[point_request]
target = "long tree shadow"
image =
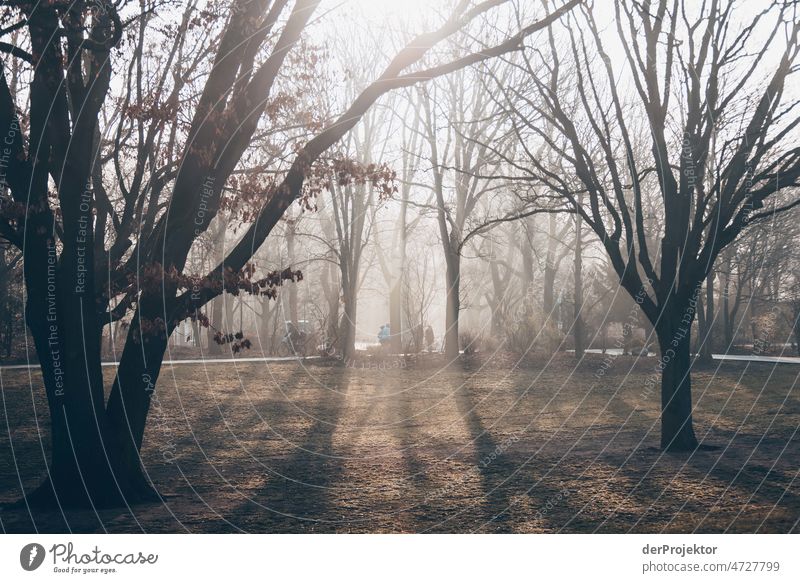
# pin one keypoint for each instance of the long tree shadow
(181, 453)
(770, 488)
(489, 458)
(410, 445)
(211, 459)
(695, 492)
(24, 463)
(301, 488)
(215, 457)
(523, 490)
(232, 471)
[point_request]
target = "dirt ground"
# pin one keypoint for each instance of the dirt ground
(486, 447)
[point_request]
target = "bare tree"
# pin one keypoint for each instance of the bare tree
(460, 158)
(393, 261)
(694, 73)
(52, 144)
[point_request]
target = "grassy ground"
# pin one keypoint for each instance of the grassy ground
(488, 447)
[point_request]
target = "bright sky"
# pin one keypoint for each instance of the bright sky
(391, 6)
(391, 13)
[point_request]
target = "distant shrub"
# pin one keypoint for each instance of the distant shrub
(470, 342)
(490, 344)
(528, 335)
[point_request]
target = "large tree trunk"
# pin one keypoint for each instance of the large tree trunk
(705, 323)
(526, 250)
(330, 287)
(578, 328)
(130, 399)
(550, 270)
(6, 335)
(347, 327)
(496, 301)
(291, 231)
(397, 282)
(710, 312)
(728, 322)
(85, 470)
(263, 326)
(674, 338)
(395, 315)
(79, 474)
(398, 278)
(703, 353)
(796, 325)
(453, 307)
(728, 317)
(216, 306)
(61, 305)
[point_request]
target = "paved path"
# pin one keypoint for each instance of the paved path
(612, 351)
(756, 358)
(186, 361)
(732, 357)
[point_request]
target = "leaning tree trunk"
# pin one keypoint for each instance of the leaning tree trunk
(674, 338)
(130, 399)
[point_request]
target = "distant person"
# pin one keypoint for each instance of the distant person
(384, 335)
(429, 338)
